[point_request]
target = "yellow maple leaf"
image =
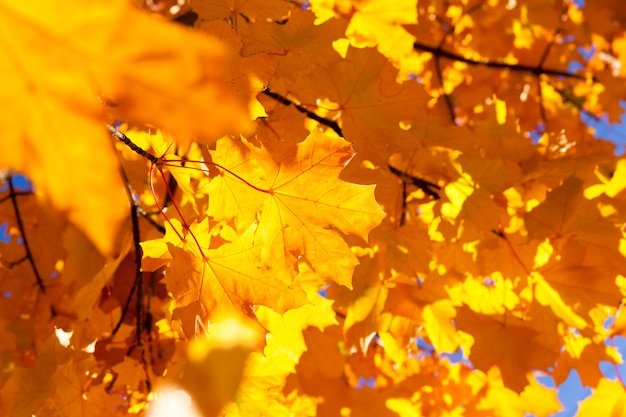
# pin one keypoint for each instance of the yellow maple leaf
(608, 399)
(300, 204)
(230, 278)
(374, 23)
(438, 325)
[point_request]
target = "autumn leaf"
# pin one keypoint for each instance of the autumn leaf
(586, 241)
(89, 58)
(216, 363)
(245, 10)
(230, 279)
(516, 346)
(403, 208)
(438, 319)
(608, 397)
(372, 23)
(300, 203)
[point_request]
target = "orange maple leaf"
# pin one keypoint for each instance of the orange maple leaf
(139, 65)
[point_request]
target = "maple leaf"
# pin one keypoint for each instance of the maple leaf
(362, 88)
(373, 23)
(502, 255)
(230, 278)
(584, 356)
(140, 67)
(300, 203)
(608, 398)
(588, 244)
(57, 365)
(241, 9)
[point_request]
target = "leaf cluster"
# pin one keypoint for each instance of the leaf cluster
(309, 208)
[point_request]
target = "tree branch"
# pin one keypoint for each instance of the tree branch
(311, 115)
(150, 220)
(126, 140)
(137, 283)
(20, 225)
(538, 70)
(429, 188)
(16, 194)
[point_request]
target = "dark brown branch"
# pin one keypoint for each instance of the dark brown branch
(20, 226)
(17, 194)
(546, 51)
(311, 115)
(138, 272)
(567, 97)
(172, 184)
(19, 261)
(429, 188)
(404, 196)
(542, 108)
(446, 96)
(542, 60)
(125, 140)
(538, 70)
(150, 220)
(138, 282)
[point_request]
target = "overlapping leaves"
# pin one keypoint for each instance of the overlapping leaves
(499, 249)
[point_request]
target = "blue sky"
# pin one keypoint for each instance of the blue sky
(615, 132)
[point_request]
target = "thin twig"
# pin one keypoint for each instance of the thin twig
(138, 272)
(138, 255)
(150, 220)
(403, 211)
(124, 139)
(16, 194)
(429, 188)
(537, 70)
(446, 96)
(308, 113)
(20, 226)
(139, 307)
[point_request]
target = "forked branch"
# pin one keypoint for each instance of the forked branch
(429, 188)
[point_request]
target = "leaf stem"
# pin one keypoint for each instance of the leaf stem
(182, 218)
(218, 166)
